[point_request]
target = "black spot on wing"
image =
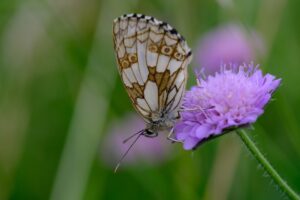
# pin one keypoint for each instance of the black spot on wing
(163, 24)
(142, 16)
(174, 31)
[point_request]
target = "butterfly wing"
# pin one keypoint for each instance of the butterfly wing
(152, 60)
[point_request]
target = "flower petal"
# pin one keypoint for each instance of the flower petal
(190, 143)
(202, 131)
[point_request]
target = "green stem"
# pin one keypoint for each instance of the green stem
(266, 165)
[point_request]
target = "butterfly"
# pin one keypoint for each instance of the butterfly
(152, 59)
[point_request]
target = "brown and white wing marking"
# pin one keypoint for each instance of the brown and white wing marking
(152, 60)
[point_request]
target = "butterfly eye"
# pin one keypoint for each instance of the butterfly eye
(132, 58)
(153, 48)
(178, 56)
(166, 50)
(125, 64)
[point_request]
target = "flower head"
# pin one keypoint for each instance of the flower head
(228, 43)
(146, 151)
(234, 97)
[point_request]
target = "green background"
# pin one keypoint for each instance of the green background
(59, 91)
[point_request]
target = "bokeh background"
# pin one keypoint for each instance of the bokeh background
(61, 99)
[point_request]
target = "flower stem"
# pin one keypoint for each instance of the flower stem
(266, 165)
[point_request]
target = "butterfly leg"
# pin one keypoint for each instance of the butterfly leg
(171, 138)
(196, 108)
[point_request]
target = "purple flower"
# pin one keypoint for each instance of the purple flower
(233, 97)
(147, 150)
(228, 43)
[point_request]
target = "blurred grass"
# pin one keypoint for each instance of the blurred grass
(51, 50)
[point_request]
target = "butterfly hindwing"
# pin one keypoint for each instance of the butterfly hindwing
(152, 60)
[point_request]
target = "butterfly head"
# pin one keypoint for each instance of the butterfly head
(164, 123)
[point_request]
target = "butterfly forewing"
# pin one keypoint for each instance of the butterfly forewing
(152, 60)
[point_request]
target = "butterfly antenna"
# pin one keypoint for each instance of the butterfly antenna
(127, 139)
(127, 151)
